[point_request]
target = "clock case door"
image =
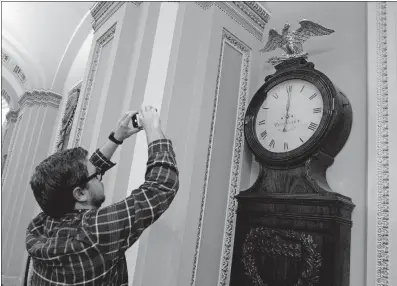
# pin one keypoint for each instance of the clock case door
(291, 228)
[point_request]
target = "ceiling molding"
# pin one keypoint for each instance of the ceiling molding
(12, 65)
(102, 11)
(17, 51)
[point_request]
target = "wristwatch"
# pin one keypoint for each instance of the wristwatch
(111, 138)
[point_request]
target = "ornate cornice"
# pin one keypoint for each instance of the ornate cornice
(39, 97)
(250, 15)
(102, 11)
(12, 116)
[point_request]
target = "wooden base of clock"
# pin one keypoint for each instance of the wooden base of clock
(292, 230)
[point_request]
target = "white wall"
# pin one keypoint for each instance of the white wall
(76, 72)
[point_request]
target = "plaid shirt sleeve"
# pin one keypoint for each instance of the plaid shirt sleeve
(101, 162)
(115, 228)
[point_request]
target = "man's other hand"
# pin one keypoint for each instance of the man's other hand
(124, 127)
(149, 118)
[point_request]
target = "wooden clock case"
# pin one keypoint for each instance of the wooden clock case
(291, 228)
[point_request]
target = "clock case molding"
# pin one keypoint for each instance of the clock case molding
(291, 228)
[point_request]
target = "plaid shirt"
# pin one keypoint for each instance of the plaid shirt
(86, 247)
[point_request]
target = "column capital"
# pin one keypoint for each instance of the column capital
(39, 97)
(102, 11)
(12, 116)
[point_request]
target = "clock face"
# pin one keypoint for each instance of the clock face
(289, 116)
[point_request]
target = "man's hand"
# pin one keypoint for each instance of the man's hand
(124, 127)
(149, 119)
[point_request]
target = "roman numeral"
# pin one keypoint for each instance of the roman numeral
(264, 134)
(313, 96)
(275, 95)
(302, 88)
(285, 146)
(261, 122)
(265, 107)
(272, 143)
(317, 110)
(289, 89)
(301, 139)
(313, 126)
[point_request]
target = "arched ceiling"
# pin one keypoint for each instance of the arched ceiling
(36, 36)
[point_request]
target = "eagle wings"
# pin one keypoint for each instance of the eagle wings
(291, 42)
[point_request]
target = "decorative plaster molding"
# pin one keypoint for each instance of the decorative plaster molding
(382, 147)
(102, 11)
(12, 116)
(249, 15)
(85, 98)
(39, 97)
(5, 58)
(5, 95)
(13, 67)
(224, 275)
(11, 148)
(76, 88)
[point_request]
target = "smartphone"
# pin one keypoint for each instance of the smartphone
(134, 119)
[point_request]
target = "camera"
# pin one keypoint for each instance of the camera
(134, 119)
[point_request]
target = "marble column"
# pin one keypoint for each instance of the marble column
(29, 145)
(11, 118)
(382, 143)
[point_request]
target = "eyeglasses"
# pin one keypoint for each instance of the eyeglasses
(98, 174)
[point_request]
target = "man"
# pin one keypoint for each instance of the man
(73, 242)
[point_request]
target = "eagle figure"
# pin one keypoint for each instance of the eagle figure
(291, 42)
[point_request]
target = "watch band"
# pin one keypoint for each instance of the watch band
(111, 138)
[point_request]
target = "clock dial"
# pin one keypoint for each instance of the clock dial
(289, 116)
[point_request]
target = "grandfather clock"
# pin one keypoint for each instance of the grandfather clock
(291, 228)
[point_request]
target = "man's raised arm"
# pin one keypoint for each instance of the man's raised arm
(115, 228)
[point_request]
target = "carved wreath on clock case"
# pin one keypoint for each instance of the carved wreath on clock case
(295, 248)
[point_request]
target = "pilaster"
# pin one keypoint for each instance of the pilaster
(28, 146)
(11, 118)
(382, 137)
(212, 68)
(116, 81)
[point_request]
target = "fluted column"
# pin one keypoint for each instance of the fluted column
(29, 144)
(11, 118)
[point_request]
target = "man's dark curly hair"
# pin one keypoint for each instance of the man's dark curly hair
(54, 179)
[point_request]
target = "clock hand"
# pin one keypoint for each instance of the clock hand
(287, 111)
